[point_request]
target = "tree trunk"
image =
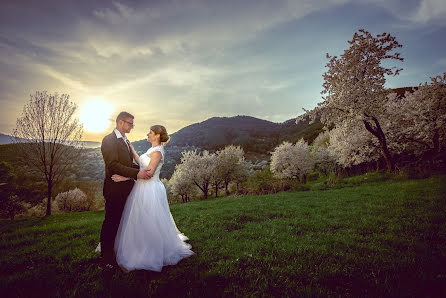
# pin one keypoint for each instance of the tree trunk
(205, 190)
(216, 190)
(304, 179)
(379, 134)
(48, 203)
(226, 187)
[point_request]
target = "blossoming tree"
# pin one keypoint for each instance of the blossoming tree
(181, 185)
(230, 165)
(199, 168)
(292, 160)
(351, 144)
(354, 85)
(419, 118)
(325, 160)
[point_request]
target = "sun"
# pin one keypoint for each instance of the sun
(95, 114)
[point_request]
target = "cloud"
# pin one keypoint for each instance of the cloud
(431, 11)
(63, 78)
(441, 62)
(184, 61)
(414, 12)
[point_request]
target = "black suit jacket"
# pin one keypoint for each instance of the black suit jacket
(118, 160)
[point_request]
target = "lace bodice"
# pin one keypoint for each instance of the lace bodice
(144, 160)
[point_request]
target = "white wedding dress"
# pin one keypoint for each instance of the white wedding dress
(147, 237)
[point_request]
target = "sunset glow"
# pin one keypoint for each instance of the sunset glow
(95, 115)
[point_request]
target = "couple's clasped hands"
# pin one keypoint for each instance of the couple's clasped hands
(142, 174)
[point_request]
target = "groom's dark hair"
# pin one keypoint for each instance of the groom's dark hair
(122, 116)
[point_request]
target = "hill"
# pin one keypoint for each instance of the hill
(5, 139)
(253, 134)
(257, 137)
(382, 239)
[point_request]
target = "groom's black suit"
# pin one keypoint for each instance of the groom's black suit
(118, 160)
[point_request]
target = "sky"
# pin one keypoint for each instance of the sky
(176, 63)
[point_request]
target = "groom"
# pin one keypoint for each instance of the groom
(118, 159)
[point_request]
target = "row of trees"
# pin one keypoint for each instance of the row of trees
(199, 172)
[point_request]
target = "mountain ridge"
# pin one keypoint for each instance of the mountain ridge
(7, 139)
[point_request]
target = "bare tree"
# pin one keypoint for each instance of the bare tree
(48, 137)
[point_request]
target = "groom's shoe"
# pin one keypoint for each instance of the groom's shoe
(106, 266)
(109, 267)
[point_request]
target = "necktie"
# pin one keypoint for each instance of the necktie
(128, 143)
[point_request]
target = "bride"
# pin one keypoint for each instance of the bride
(147, 237)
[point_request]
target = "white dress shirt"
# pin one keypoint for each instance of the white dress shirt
(119, 135)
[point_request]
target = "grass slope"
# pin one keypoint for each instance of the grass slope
(377, 239)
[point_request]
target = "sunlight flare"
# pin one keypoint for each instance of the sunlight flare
(95, 115)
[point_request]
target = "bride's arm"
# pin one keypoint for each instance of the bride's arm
(135, 155)
(119, 178)
(155, 158)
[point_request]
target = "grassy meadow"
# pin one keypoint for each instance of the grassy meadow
(373, 236)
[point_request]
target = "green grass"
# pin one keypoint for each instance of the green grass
(379, 238)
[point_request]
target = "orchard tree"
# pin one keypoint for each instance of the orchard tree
(324, 159)
(74, 200)
(354, 85)
(230, 165)
(351, 144)
(48, 138)
(198, 168)
(181, 185)
(292, 161)
(421, 116)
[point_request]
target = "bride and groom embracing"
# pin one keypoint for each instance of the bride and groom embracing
(138, 231)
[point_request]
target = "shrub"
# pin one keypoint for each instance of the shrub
(73, 200)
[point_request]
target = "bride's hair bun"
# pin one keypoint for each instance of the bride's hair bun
(161, 130)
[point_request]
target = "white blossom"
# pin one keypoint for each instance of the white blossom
(354, 86)
(72, 200)
(291, 161)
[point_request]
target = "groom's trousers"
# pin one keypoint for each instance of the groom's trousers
(114, 206)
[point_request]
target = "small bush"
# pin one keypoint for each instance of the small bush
(73, 200)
